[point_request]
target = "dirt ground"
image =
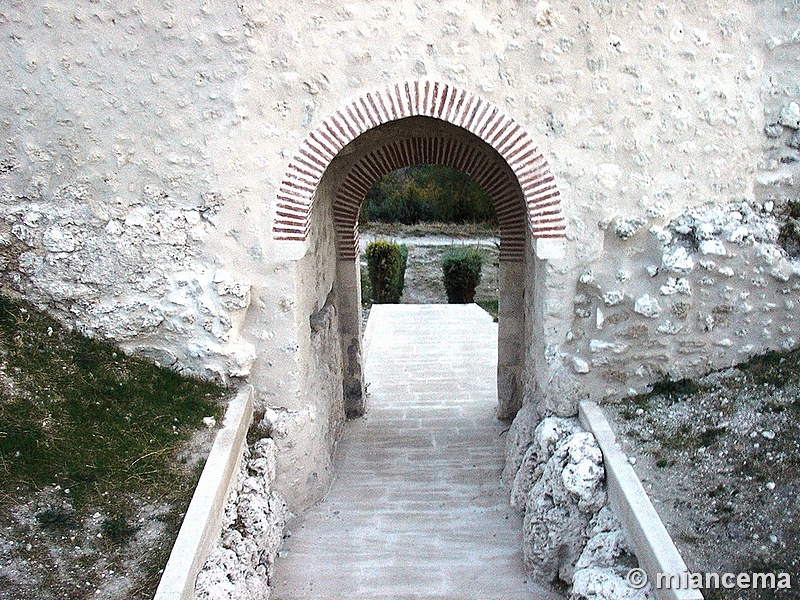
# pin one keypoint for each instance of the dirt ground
(720, 459)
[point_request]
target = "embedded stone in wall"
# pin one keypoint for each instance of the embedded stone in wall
(240, 565)
(679, 285)
(548, 433)
(57, 239)
(602, 583)
(678, 260)
(790, 115)
(560, 506)
(726, 271)
(613, 297)
(604, 346)
(773, 130)
(280, 423)
(669, 328)
(235, 295)
(520, 437)
(606, 559)
(715, 247)
(579, 365)
(647, 306)
(626, 228)
(239, 359)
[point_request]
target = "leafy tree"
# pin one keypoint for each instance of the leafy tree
(427, 193)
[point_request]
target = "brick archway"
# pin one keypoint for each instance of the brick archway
(418, 98)
(406, 125)
(499, 185)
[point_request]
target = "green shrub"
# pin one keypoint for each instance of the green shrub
(401, 276)
(386, 264)
(461, 270)
(366, 286)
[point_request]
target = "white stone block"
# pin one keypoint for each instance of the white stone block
(678, 260)
(613, 297)
(56, 239)
(579, 365)
(790, 115)
(715, 247)
(647, 306)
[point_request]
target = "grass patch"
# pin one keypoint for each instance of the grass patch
(104, 429)
(490, 306)
(671, 390)
(681, 439)
(674, 389)
(710, 435)
(79, 413)
(773, 368)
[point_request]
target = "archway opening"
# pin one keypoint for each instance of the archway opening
(316, 227)
(435, 213)
(338, 200)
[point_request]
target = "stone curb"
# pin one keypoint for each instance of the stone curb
(202, 523)
(653, 545)
(366, 339)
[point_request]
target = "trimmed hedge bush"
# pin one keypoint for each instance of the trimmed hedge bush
(461, 269)
(386, 265)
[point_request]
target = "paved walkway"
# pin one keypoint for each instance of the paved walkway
(416, 509)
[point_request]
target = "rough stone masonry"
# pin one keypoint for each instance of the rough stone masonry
(144, 144)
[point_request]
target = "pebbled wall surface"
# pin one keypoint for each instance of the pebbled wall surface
(143, 144)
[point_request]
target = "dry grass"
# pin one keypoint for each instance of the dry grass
(89, 458)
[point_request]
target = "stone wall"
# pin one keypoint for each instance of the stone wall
(241, 563)
(145, 142)
(778, 37)
(110, 114)
(308, 424)
(708, 289)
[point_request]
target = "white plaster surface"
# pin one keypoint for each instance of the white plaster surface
(143, 144)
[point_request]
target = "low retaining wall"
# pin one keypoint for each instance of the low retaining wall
(653, 545)
(203, 520)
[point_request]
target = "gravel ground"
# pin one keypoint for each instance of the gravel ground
(720, 458)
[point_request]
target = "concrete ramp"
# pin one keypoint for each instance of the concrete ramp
(416, 509)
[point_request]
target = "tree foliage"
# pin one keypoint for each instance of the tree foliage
(427, 193)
